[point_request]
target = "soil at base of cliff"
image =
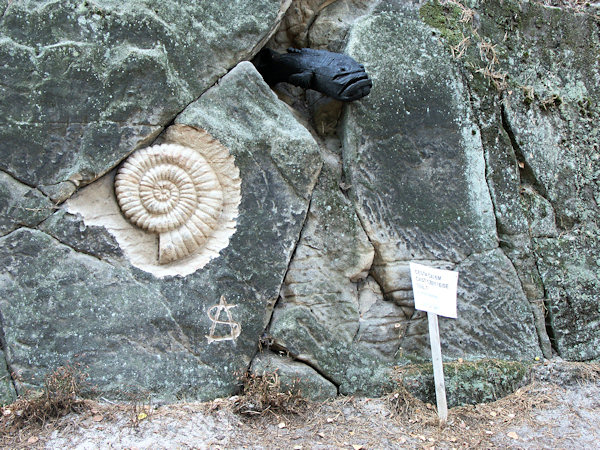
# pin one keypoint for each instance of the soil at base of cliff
(560, 408)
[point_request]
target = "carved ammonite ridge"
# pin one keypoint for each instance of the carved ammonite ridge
(185, 195)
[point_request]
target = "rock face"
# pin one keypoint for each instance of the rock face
(542, 155)
(417, 125)
(21, 205)
(320, 318)
(294, 375)
(552, 123)
(477, 150)
(84, 83)
(73, 297)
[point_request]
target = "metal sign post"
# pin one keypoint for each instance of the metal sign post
(438, 368)
(435, 292)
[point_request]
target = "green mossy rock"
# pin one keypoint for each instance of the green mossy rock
(541, 139)
(85, 83)
(70, 296)
(467, 382)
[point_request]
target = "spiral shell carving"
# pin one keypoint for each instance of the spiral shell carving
(184, 195)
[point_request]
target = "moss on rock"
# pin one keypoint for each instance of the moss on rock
(467, 382)
(446, 18)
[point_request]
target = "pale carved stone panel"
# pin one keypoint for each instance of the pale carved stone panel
(174, 205)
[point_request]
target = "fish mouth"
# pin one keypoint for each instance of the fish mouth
(356, 86)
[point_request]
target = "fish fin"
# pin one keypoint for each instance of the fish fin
(301, 79)
(294, 50)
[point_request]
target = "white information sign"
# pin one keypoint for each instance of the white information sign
(434, 289)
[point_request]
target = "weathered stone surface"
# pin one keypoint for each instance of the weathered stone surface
(7, 390)
(556, 133)
(539, 213)
(258, 129)
(172, 337)
(467, 382)
(60, 306)
(322, 24)
(83, 84)
(570, 267)
(294, 375)
(519, 248)
(331, 26)
(382, 323)
(297, 23)
(516, 207)
(552, 123)
(414, 159)
(438, 167)
(498, 325)
(89, 239)
(541, 143)
(411, 128)
(324, 317)
(21, 205)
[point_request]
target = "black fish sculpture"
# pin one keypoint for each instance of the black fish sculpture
(334, 74)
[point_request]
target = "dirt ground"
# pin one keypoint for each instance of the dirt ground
(560, 408)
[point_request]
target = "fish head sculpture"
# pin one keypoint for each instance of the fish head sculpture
(342, 78)
(334, 74)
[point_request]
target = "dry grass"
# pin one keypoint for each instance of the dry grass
(573, 4)
(470, 426)
(467, 14)
(60, 396)
(487, 51)
(264, 393)
(458, 50)
(585, 372)
(493, 418)
(397, 421)
(404, 404)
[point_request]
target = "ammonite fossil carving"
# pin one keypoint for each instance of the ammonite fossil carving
(187, 196)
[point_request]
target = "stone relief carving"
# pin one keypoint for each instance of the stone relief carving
(172, 191)
(175, 191)
(173, 206)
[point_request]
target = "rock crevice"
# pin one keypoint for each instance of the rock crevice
(434, 165)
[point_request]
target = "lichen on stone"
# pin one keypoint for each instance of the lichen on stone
(467, 382)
